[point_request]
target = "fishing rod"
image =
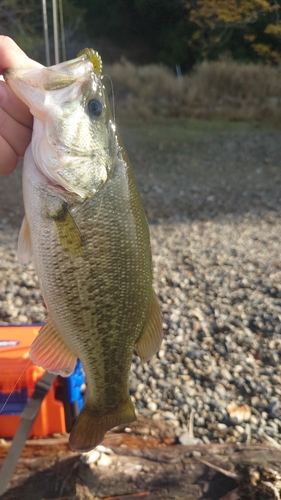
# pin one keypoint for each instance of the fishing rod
(56, 31)
(62, 31)
(57, 9)
(46, 33)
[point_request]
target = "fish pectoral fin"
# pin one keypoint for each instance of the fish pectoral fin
(152, 334)
(49, 351)
(24, 243)
(90, 426)
(68, 233)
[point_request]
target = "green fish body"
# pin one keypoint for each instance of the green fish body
(87, 231)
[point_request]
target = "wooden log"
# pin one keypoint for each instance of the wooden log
(136, 469)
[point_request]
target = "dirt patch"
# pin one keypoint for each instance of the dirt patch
(190, 169)
(203, 170)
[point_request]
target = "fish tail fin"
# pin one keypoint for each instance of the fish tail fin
(90, 427)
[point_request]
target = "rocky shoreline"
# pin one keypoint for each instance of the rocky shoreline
(217, 272)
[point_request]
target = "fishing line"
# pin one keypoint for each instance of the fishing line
(112, 97)
(12, 391)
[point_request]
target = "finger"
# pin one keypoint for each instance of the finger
(10, 103)
(11, 56)
(15, 119)
(14, 133)
(8, 158)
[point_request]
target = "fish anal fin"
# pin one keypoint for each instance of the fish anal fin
(90, 426)
(49, 351)
(152, 334)
(24, 243)
(68, 233)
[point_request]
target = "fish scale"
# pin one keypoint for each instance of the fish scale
(87, 231)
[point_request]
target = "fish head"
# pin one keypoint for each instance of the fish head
(74, 139)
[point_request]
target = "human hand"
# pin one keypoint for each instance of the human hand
(15, 118)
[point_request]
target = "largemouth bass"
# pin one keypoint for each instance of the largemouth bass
(87, 231)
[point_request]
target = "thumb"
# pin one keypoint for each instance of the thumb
(11, 56)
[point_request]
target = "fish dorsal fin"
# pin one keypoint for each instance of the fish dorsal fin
(24, 243)
(152, 334)
(49, 351)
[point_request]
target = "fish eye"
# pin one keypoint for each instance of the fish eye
(95, 107)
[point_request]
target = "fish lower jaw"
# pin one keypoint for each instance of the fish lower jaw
(47, 162)
(52, 183)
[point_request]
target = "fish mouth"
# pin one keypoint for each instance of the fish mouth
(31, 85)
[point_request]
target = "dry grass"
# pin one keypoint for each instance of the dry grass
(223, 89)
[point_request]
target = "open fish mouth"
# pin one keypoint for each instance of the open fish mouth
(30, 85)
(72, 122)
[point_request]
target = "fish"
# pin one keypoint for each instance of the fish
(86, 230)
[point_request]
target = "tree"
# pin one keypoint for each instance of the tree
(248, 29)
(23, 21)
(20, 20)
(149, 30)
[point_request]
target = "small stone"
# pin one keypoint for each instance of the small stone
(152, 406)
(240, 429)
(91, 457)
(221, 427)
(189, 391)
(273, 407)
(175, 423)
(254, 420)
(220, 390)
(255, 401)
(163, 384)
(205, 440)
(156, 416)
(237, 413)
(278, 422)
(199, 421)
(23, 319)
(186, 440)
(104, 460)
(195, 454)
(168, 415)
(131, 468)
(225, 374)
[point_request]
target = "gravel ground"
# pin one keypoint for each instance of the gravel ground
(212, 196)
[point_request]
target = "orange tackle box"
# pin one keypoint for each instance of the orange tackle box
(18, 376)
